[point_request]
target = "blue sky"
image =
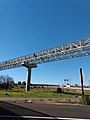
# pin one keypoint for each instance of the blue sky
(28, 26)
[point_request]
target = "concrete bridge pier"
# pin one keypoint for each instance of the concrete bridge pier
(28, 77)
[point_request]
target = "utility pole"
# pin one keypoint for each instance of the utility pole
(81, 75)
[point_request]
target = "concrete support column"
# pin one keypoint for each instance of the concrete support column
(28, 79)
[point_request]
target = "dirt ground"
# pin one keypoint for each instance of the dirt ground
(48, 100)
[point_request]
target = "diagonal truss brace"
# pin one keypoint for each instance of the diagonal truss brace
(67, 51)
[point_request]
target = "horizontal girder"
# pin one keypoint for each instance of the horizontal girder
(68, 51)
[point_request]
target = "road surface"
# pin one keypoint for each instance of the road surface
(21, 111)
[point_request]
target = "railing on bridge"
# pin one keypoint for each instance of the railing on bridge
(68, 51)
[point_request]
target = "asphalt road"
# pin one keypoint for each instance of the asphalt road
(19, 111)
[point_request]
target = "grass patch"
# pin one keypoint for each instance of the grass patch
(34, 93)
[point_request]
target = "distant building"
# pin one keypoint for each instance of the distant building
(43, 85)
(68, 85)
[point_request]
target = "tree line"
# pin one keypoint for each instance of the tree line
(6, 82)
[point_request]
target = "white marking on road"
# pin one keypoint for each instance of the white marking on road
(38, 117)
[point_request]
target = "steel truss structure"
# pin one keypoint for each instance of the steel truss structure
(68, 51)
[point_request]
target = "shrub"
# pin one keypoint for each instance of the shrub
(86, 100)
(59, 90)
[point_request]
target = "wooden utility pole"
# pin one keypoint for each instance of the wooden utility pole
(81, 75)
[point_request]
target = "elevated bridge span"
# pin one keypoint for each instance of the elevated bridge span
(68, 51)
